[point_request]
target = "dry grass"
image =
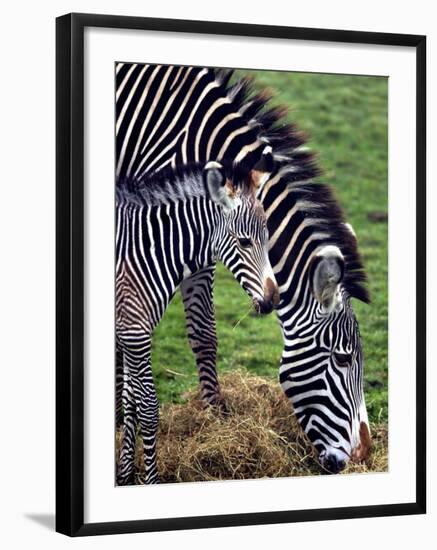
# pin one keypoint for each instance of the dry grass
(258, 437)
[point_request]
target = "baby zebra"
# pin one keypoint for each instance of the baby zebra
(167, 229)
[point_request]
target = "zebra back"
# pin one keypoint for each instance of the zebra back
(167, 115)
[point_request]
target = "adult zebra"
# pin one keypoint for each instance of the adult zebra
(313, 252)
(168, 227)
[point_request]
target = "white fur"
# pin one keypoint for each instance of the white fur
(330, 251)
(213, 164)
(217, 191)
(350, 229)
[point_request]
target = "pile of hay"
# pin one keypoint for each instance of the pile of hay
(258, 437)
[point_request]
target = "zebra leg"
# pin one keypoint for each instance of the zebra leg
(140, 404)
(148, 418)
(126, 462)
(119, 382)
(197, 296)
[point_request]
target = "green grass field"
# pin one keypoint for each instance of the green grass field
(346, 120)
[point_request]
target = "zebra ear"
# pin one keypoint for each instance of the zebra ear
(327, 271)
(218, 188)
(262, 169)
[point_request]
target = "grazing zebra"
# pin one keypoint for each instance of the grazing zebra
(328, 400)
(316, 263)
(169, 227)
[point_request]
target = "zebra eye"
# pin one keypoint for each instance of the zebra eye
(245, 242)
(343, 359)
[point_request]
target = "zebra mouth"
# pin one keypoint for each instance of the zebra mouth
(333, 462)
(262, 307)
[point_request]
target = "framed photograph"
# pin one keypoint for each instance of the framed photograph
(240, 274)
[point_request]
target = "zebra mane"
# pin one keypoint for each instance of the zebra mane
(318, 203)
(286, 140)
(298, 164)
(172, 184)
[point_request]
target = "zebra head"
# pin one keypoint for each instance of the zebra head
(242, 237)
(322, 366)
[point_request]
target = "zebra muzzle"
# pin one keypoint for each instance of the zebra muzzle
(263, 307)
(270, 299)
(271, 293)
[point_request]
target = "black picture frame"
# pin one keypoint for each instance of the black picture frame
(70, 273)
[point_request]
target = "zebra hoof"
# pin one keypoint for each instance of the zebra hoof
(125, 480)
(220, 406)
(142, 480)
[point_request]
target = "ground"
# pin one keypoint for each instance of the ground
(346, 120)
(259, 436)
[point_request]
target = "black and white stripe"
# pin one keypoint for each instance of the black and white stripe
(169, 116)
(303, 220)
(168, 228)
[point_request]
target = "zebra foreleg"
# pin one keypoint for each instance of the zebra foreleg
(197, 295)
(126, 462)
